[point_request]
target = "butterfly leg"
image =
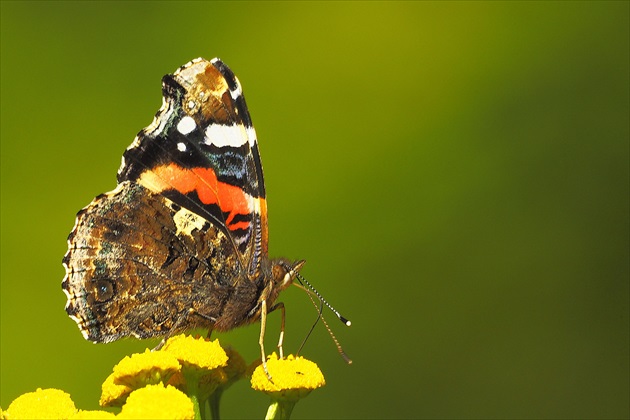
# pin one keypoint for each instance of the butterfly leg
(261, 341)
(160, 345)
(280, 306)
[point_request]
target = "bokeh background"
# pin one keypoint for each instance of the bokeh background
(455, 174)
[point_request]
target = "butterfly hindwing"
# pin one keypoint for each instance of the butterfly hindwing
(138, 263)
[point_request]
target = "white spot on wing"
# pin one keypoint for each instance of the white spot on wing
(186, 125)
(226, 135)
(251, 136)
(236, 92)
(181, 147)
(187, 221)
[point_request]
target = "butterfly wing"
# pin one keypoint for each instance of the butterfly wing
(201, 153)
(186, 228)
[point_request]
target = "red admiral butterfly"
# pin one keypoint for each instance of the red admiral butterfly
(181, 242)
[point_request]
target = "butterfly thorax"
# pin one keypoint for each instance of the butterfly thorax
(276, 276)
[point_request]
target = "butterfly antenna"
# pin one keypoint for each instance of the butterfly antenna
(321, 299)
(310, 291)
(320, 315)
(339, 349)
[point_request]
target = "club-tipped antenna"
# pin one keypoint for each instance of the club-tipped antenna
(339, 349)
(320, 315)
(321, 299)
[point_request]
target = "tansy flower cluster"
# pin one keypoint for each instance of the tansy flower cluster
(180, 381)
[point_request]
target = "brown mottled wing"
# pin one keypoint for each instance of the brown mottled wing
(140, 265)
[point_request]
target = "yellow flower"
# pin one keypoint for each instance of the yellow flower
(42, 404)
(293, 378)
(157, 402)
(149, 367)
(113, 395)
(199, 358)
(196, 353)
(92, 415)
(134, 372)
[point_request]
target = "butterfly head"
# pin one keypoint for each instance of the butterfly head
(280, 276)
(283, 272)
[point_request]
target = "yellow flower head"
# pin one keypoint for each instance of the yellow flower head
(196, 353)
(149, 367)
(201, 361)
(157, 402)
(42, 404)
(92, 415)
(113, 395)
(134, 372)
(293, 378)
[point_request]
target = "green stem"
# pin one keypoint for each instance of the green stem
(214, 400)
(203, 409)
(192, 389)
(195, 400)
(280, 410)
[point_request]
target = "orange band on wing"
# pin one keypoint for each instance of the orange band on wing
(231, 199)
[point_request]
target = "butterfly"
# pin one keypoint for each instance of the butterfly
(181, 242)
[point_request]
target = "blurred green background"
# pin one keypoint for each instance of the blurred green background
(455, 174)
